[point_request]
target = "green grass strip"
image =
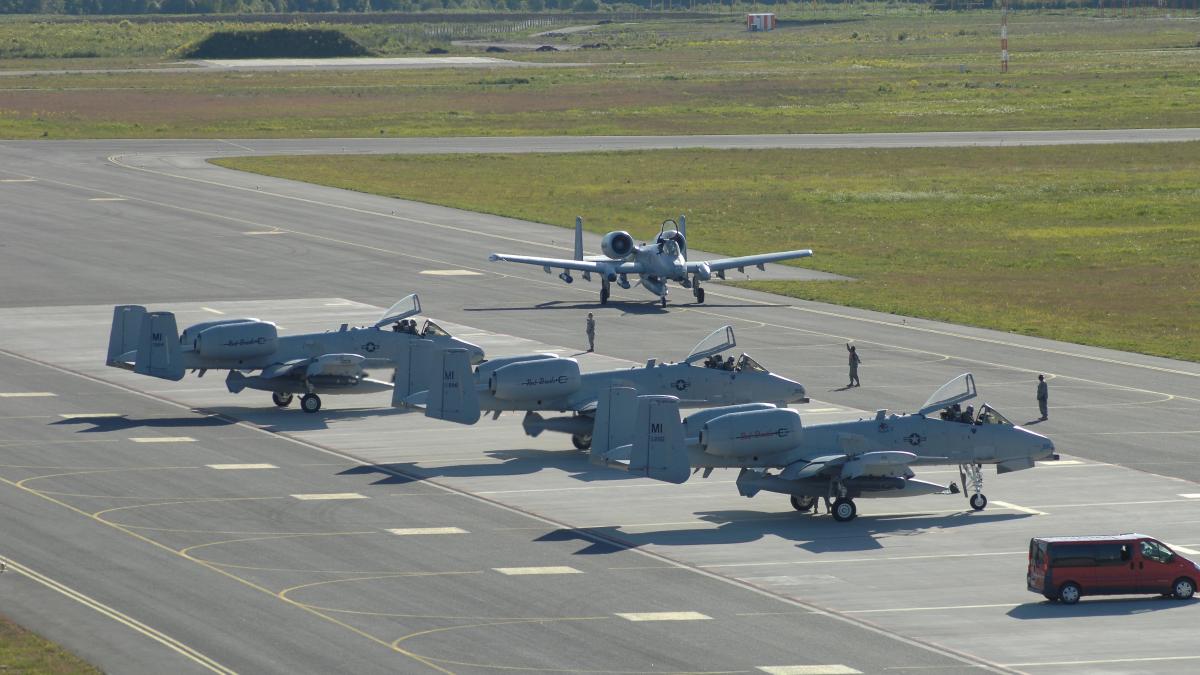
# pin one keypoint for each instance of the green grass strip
(1089, 244)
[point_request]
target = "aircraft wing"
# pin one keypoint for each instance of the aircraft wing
(597, 266)
(722, 264)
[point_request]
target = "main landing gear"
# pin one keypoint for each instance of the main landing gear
(972, 480)
(699, 293)
(581, 441)
(281, 399)
(604, 293)
(310, 403)
(804, 504)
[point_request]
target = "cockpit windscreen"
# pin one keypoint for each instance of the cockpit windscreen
(746, 363)
(431, 329)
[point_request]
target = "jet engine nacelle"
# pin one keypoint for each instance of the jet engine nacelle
(535, 380)
(617, 245)
(752, 433)
(340, 365)
(241, 340)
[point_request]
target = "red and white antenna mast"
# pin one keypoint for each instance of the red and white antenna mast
(1004, 36)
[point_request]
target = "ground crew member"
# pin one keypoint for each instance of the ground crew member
(1043, 395)
(591, 332)
(854, 361)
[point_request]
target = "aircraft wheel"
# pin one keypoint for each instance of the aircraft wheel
(1183, 588)
(1069, 593)
(804, 504)
(310, 403)
(699, 296)
(844, 510)
(663, 301)
(604, 296)
(978, 502)
(581, 442)
(282, 399)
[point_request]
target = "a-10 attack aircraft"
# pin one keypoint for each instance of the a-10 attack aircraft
(308, 364)
(655, 264)
(837, 462)
(547, 382)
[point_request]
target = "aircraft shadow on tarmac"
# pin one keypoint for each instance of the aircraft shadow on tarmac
(1096, 608)
(122, 423)
(516, 462)
(819, 534)
(628, 307)
(278, 420)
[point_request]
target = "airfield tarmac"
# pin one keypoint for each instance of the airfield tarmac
(226, 568)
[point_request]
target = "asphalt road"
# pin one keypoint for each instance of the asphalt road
(92, 224)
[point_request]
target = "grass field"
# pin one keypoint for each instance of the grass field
(1091, 244)
(844, 72)
(26, 653)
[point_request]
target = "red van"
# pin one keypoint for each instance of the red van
(1067, 568)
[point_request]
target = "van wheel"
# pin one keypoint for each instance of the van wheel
(1183, 588)
(1069, 593)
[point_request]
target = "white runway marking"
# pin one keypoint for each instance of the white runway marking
(1190, 495)
(829, 669)
(163, 439)
(1182, 549)
(89, 416)
(236, 467)
(1014, 507)
(107, 199)
(928, 609)
(18, 180)
(452, 273)
(26, 394)
(1061, 462)
(404, 531)
(663, 616)
(214, 311)
(520, 571)
(1148, 659)
(329, 496)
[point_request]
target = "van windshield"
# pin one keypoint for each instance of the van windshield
(1153, 550)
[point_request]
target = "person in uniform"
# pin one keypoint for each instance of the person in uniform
(854, 361)
(1043, 396)
(591, 332)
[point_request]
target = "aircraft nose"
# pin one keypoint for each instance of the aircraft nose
(474, 352)
(793, 392)
(1040, 446)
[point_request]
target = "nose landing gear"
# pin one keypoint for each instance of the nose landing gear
(972, 480)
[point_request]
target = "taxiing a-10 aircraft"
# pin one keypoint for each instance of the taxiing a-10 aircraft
(309, 364)
(546, 382)
(655, 264)
(837, 462)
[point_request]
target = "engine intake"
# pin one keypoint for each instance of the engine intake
(617, 245)
(242, 340)
(535, 380)
(756, 432)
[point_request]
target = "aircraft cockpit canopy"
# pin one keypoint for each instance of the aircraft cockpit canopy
(748, 364)
(431, 329)
(718, 341)
(989, 415)
(956, 391)
(671, 240)
(407, 306)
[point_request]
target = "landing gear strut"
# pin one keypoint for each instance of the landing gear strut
(972, 480)
(581, 441)
(281, 399)
(310, 403)
(662, 300)
(604, 292)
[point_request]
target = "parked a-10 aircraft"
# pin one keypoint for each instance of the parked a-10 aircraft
(655, 264)
(838, 461)
(548, 382)
(308, 364)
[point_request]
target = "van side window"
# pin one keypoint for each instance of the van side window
(1152, 550)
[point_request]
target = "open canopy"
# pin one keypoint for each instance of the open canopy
(961, 388)
(406, 307)
(717, 341)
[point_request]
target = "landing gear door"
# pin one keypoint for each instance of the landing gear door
(718, 341)
(961, 388)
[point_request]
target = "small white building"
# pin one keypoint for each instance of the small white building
(760, 22)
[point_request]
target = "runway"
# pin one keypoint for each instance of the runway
(233, 571)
